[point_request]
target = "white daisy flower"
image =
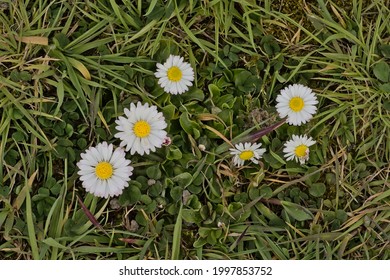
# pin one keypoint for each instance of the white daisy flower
(298, 148)
(104, 171)
(246, 151)
(143, 129)
(297, 103)
(175, 75)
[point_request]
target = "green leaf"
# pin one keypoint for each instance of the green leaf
(365, 147)
(214, 235)
(317, 189)
(312, 178)
(214, 90)
(169, 112)
(151, 7)
(130, 195)
(69, 130)
(194, 94)
(386, 104)
(145, 199)
(385, 87)
(174, 153)
(233, 57)
(64, 142)
(382, 71)
(341, 215)
(176, 193)
(385, 50)
(183, 179)
(61, 40)
(25, 76)
(277, 157)
(18, 136)
(82, 143)
(70, 106)
(17, 114)
(297, 211)
(272, 161)
(53, 243)
(15, 75)
(189, 126)
(266, 192)
(191, 216)
(199, 242)
(61, 151)
(154, 172)
(3, 216)
(155, 189)
(241, 76)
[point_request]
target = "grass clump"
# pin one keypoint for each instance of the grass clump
(68, 70)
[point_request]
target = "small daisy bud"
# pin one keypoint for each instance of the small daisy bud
(167, 141)
(221, 225)
(202, 147)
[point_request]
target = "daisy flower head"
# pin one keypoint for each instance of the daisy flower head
(175, 75)
(104, 171)
(246, 151)
(297, 103)
(298, 148)
(142, 130)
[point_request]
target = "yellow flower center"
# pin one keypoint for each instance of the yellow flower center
(296, 104)
(141, 129)
(245, 155)
(301, 151)
(104, 170)
(174, 74)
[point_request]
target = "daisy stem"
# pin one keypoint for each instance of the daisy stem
(90, 216)
(249, 137)
(260, 133)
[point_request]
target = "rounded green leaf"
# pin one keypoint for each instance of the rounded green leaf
(183, 179)
(191, 216)
(174, 153)
(382, 71)
(176, 193)
(169, 112)
(154, 172)
(82, 143)
(18, 136)
(130, 195)
(317, 189)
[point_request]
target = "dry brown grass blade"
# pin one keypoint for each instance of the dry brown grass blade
(35, 40)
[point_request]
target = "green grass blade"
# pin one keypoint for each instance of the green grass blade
(176, 242)
(30, 221)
